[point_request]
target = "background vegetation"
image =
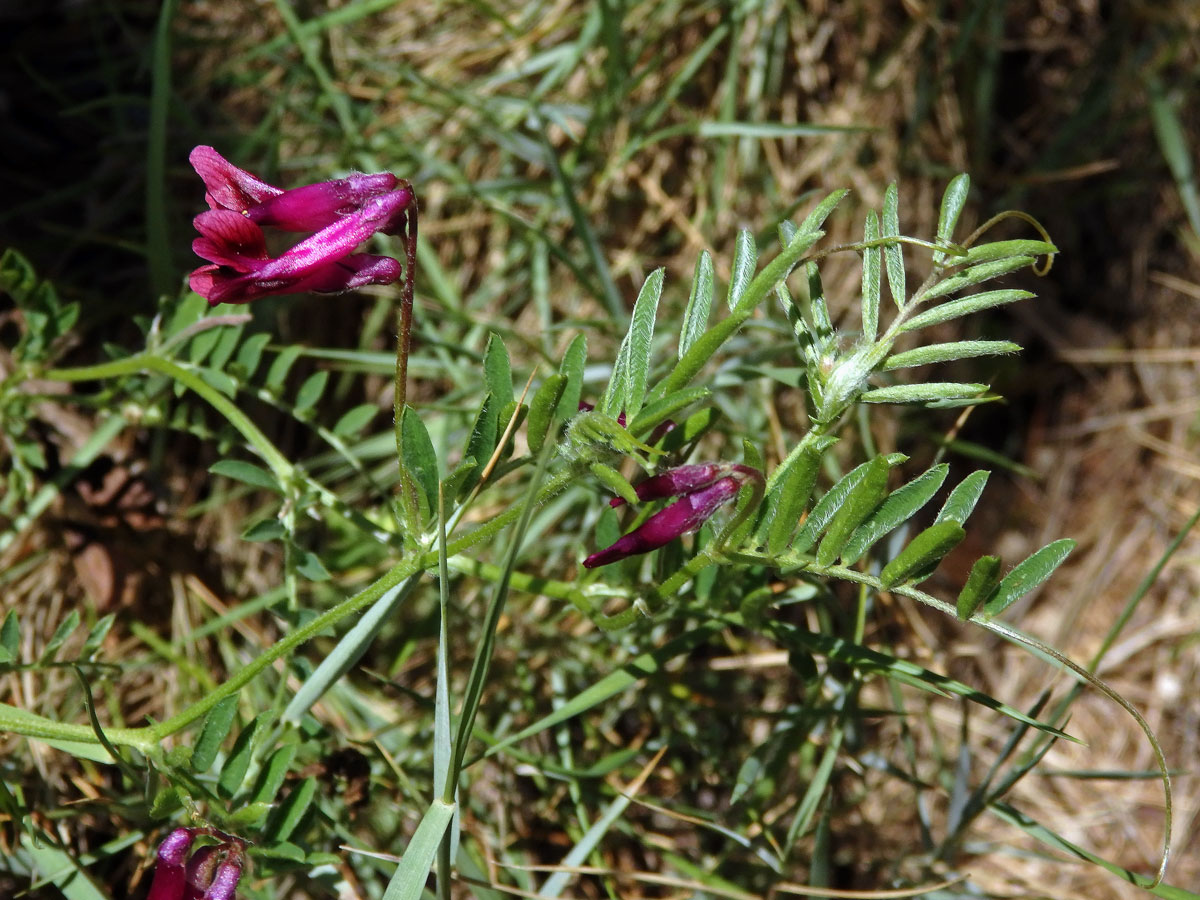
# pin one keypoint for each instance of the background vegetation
(563, 151)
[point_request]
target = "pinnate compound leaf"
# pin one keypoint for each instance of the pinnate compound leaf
(953, 201)
(893, 254)
(871, 264)
(216, 726)
(923, 553)
(900, 506)
(745, 260)
(247, 473)
(940, 353)
(695, 316)
(964, 307)
(862, 500)
(981, 583)
(1027, 575)
(961, 502)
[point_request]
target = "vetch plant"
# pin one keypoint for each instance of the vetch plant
(474, 477)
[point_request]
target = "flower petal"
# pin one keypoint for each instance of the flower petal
(227, 186)
(686, 514)
(230, 239)
(317, 206)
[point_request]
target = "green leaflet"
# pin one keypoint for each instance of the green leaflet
(923, 553)
(981, 583)
(1027, 575)
(900, 506)
(861, 500)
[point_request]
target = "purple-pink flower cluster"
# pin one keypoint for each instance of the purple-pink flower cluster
(210, 873)
(701, 488)
(343, 213)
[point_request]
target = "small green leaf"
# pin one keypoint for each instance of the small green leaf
(216, 726)
(202, 344)
(1005, 250)
(247, 473)
(310, 392)
(1027, 575)
(924, 393)
(860, 502)
(420, 459)
(541, 411)
(964, 307)
(18, 278)
(166, 803)
(977, 275)
(572, 365)
(692, 429)
(961, 502)
(497, 370)
(923, 553)
(615, 482)
(218, 381)
(310, 566)
(981, 584)
(238, 761)
(250, 354)
(246, 816)
(280, 366)
(64, 630)
(940, 353)
(10, 631)
(826, 508)
(820, 213)
(745, 261)
(355, 419)
(273, 774)
(264, 530)
(900, 506)
(871, 263)
(229, 338)
(289, 813)
(627, 389)
(484, 435)
(695, 316)
(654, 414)
(953, 201)
(893, 254)
(788, 496)
(96, 636)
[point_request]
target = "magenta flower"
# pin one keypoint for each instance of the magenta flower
(210, 873)
(702, 489)
(344, 213)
